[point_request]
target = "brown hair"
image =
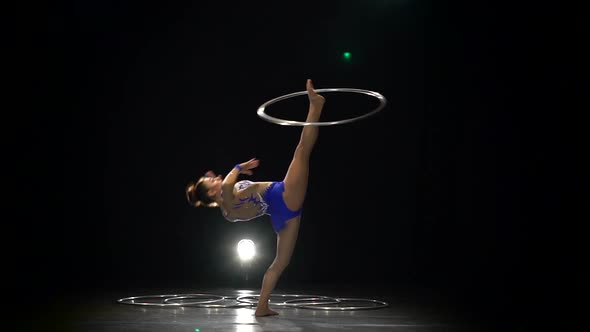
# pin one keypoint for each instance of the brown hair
(197, 194)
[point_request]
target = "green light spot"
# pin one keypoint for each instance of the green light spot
(197, 330)
(346, 56)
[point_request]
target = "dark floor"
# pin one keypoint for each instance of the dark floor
(100, 311)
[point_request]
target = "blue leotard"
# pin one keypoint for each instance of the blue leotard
(270, 202)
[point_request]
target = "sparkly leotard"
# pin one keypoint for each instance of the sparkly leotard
(270, 202)
(256, 198)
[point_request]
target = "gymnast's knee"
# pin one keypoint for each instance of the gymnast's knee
(278, 266)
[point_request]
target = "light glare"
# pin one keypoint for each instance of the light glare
(246, 249)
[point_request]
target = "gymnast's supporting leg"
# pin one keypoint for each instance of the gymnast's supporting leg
(294, 195)
(286, 240)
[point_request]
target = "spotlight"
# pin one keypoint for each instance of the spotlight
(246, 249)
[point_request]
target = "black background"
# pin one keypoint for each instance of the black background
(456, 187)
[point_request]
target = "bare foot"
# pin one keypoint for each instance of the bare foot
(260, 312)
(314, 98)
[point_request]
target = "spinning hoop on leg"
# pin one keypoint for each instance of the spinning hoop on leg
(261, 110)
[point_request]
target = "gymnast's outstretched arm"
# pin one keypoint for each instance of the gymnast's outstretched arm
(227, 186)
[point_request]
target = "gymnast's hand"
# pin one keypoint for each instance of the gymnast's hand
(249, 165)
(314, 98)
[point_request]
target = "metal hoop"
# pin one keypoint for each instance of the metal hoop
(132, 299)
(263, 115)
(206, 304)
(325, 300)
(380, 304)
(243, 301)
(284, 303)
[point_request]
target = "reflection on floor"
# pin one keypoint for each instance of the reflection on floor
(104, 312)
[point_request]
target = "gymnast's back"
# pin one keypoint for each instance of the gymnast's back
(249, 201)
